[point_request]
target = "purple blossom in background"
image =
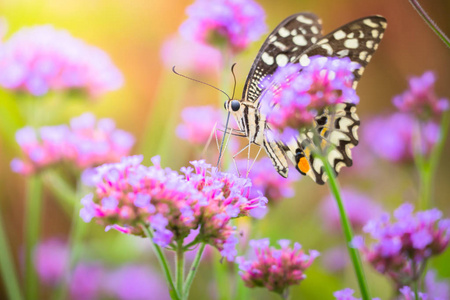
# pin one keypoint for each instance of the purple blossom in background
(436, 290)
(86, 281)
(201, 198)
(420, 99)
(275, 269)
(134, 282)
(347, 294)
(190, 55)
(296, 94)
(403, 246)
(86, 143)
(50, 260)
(408, 294)
(360, 209)
(393, 137)
(232, 23)
(41, 59)
(198, 124)
(335, 259)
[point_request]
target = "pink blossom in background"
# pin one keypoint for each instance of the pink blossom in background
(335, 259)
(41, 59)
(86, 281)
(393, 137)
(408, 294)
(420, 99)
(135, 282)
(360, 209)
(128, 194)
(190, 56)
(231, 23)
(275, 269)
(88, 142)
(198, 124)
(411, 237)
(347, 294)
(50, 260)
(295, 94)
(436, 290)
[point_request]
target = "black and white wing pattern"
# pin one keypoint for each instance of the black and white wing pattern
(337, 127)
(286, 42)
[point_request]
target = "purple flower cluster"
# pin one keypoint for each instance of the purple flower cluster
(198, 124)
(408, 294)
(50, 260)
(231, 23)
(420, 99)
(129, 195)
(296, 94)
(394, 137)
(40, 59)
(275, 269)
(360, 209)
(347, 294)
(86, 143)
(402, 247)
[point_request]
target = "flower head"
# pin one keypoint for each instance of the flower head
(231, 23)
(436, 290)
(85, 282)
(360, 209)
(40, 59)
(86, 143)
(129, 195)
(393, 137)
(199, 123)
(401, 247)
(50, 260)
(420, 99)
(275, 269)
(295, 95)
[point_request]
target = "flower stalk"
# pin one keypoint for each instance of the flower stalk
(192, 271)
(180, 268)
(353, 253)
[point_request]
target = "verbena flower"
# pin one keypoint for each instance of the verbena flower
(436, 290)
(394, 137)
(86, 143)
(86, 281)
(231, 23)
(295, 94)
(199, 123)
(50, 260)
(275, 269)
(408, 294)
(129, 194)
(420, 99)
(347, 294)
(402, 247)
(360, 209)
(134, 282)
(41, 59)
(190, 55)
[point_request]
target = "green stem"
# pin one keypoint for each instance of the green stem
(430, 22)
(192, 271)
(64, 193)
(354, 254)
(32, 230)
(180, 268)
(163, 263)
(222, 278)
(7, 269)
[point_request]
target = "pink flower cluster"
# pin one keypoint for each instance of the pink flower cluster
(86, 143)
(232, 23)
(275, 269)
(421, 99)
(199, 123)
(129, 195)
(295, 94)
(40, 59)
(402, 247)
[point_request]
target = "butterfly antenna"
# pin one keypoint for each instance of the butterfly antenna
(234, 77)
(196, 80)
(223, 140)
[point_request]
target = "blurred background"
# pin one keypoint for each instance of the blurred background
(133, 34)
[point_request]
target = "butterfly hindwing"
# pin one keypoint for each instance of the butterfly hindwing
(290, 38)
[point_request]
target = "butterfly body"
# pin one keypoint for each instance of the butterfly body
(294, 40)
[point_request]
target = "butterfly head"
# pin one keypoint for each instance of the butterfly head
(232, 105)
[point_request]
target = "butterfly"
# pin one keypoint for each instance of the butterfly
(294, 40)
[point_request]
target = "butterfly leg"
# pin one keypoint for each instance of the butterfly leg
(234, 158)
(256, 157)
(213, 131)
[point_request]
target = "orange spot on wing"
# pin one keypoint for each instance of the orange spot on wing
(303, 165)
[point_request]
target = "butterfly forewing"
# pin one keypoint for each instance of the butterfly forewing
(286, 42)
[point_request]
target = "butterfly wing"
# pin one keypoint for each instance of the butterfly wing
(287, 41)
(337, 127)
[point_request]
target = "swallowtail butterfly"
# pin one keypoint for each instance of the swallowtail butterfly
(293, 40)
